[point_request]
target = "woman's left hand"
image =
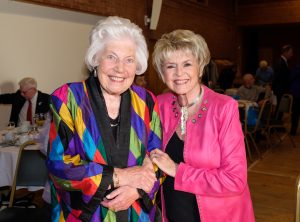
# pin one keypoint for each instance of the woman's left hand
(121, 198)
(164, 162)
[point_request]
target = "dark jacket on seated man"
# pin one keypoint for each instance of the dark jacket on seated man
(26, 92)
(17, 101)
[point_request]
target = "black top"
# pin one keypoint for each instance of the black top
(115, 136)
(180, 206)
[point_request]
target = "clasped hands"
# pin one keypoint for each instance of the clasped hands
(138, 177)
(129, 180)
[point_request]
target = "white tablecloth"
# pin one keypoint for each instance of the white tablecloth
(231, 91)
(8, 159)
(246, 104)
(8, 162)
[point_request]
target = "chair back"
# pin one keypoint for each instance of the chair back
(263, 116)
(266, 112)
(285, 105)
(298, 200)
(30, 170)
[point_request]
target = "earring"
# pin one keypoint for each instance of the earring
(95, 71)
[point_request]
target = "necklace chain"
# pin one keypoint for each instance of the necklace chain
(114, 122)
(185, 114)
(195, 100)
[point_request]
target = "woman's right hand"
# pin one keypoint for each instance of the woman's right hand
(142, 177)
(164, 162)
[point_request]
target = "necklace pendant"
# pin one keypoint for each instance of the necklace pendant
(183, 119)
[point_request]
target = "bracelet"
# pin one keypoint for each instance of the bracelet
(116, 179)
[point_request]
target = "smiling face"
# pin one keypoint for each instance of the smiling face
(181, 74)
(117, 66)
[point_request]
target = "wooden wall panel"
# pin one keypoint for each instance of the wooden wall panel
(213, 19)
(276, 12)
(133, 9)
(251, 2)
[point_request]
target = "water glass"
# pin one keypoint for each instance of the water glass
(11, 125)
(39, 119)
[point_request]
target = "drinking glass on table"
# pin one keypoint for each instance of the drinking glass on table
(11, 125)
(39, 119)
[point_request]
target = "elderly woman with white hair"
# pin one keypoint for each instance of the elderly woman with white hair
(264, 74)
(204, 157)
(102, 131)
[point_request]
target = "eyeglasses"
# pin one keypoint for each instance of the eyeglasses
(113, 59)
(25, 91)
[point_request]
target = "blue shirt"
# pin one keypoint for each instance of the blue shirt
(264, 76)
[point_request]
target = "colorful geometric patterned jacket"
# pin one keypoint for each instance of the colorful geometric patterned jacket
(83, 150)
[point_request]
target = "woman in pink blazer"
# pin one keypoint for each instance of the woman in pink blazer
(204, 156)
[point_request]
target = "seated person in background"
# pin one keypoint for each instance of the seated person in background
(140, 80)
(26, 102)
(264, 73)
(250, 91)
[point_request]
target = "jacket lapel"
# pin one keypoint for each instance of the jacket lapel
(116, 150)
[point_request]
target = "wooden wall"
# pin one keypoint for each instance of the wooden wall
(264, 26)
(213, 19)
(133, 9)
(253, 13)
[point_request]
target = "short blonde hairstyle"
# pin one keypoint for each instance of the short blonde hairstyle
(180, 40)
(263, 64)
(28, 82)
(116, 28)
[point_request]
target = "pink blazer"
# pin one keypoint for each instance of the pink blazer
(215, 167)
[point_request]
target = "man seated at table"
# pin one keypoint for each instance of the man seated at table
(26, 101)
(250, 91)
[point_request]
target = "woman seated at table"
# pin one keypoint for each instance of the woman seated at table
(101, 132)
(251, 92)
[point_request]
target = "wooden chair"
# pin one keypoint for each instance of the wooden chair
(30, 171)
(265, 118)
(297, 216)
(277, 125)
(259, 127)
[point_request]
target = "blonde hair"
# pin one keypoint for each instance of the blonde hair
(263, 64)
(183, 40)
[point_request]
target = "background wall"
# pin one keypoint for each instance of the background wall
(45, 43)
(213, 19)
(265, 42)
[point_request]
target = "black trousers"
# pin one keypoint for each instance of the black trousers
(295, 115)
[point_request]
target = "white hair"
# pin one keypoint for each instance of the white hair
(116, 28)
(28, 82)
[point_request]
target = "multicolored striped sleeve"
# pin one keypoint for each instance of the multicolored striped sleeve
(70, 164)
(154, 141)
